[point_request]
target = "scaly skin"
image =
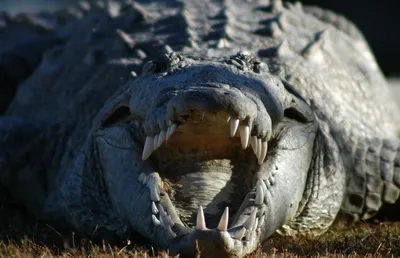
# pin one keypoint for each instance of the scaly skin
(255, 119)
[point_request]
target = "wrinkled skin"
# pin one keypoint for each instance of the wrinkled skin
(210, 148)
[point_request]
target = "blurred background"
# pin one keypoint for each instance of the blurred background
(378, 20)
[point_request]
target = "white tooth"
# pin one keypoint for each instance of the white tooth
(244, 135)
(203, 115)
(234, 126)
(142, 177)
(154, 208)
(247, 235)
(168, 133)
(161, 138)
(240, 234)
(259, 193)
(170, 232)
(149, 182)
(155, 220)
(229, 118)
(148, 148)
(173, 128)
(170, 221)
(162, 215)
(268, 183)
(261, 221)
(200, 221)
(259, 147)
(154, 193)
(253, 143)
(264, 187)
(271, 180)
(165, 219)
(146, 180)
(223, 222)
(264, 149)
(155, 142)
(248, 224)
(255, 225)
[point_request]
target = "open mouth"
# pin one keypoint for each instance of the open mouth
(206, 163)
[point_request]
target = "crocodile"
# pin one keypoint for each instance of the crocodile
(200, 125)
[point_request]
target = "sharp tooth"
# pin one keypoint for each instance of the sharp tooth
(259, 146)
(173, 128)
(200, 221)
(248, 234)
(170, 221)
(148, 148)
(155, 220)
(161, 138)
(163, 216)
(168, 133)
(248, 224)
(244, 135)
(142, 177)
(229, 118)
(255, 225)
(271, 179)
(264, 187)
(154, 193)
(154, 208)
(240, 234)
(171, 233)
(253, 143)
(203, 115)
(259, 193)
(155, 142)
(165, 219)
(264, 149)
(261, 221)
(268, 183)
(223, 222)
(234, 126)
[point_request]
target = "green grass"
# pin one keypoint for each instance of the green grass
(23, 236)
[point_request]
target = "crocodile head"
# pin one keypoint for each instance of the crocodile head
(208, 154)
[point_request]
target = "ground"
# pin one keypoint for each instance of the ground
(22, 236)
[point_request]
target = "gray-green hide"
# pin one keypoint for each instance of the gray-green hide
(208, 123)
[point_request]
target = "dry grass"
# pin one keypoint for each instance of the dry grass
(22, 236)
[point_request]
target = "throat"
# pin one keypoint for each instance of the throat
(213, 184)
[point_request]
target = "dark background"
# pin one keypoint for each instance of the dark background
(379, 20)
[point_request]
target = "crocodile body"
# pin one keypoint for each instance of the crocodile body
(201, 124)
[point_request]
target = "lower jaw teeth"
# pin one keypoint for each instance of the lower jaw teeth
(248, 227)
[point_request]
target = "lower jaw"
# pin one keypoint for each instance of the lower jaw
(213, 187)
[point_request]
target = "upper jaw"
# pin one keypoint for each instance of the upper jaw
(229, 110)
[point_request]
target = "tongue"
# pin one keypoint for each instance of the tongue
(210, 186)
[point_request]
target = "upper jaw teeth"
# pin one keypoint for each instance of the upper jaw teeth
(259, 145)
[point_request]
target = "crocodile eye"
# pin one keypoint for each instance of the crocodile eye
(119, 114)
(297, 109)
(256, 66)
(162, 63)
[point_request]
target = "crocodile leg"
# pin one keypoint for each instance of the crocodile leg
(21, 149)
(375, 179)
